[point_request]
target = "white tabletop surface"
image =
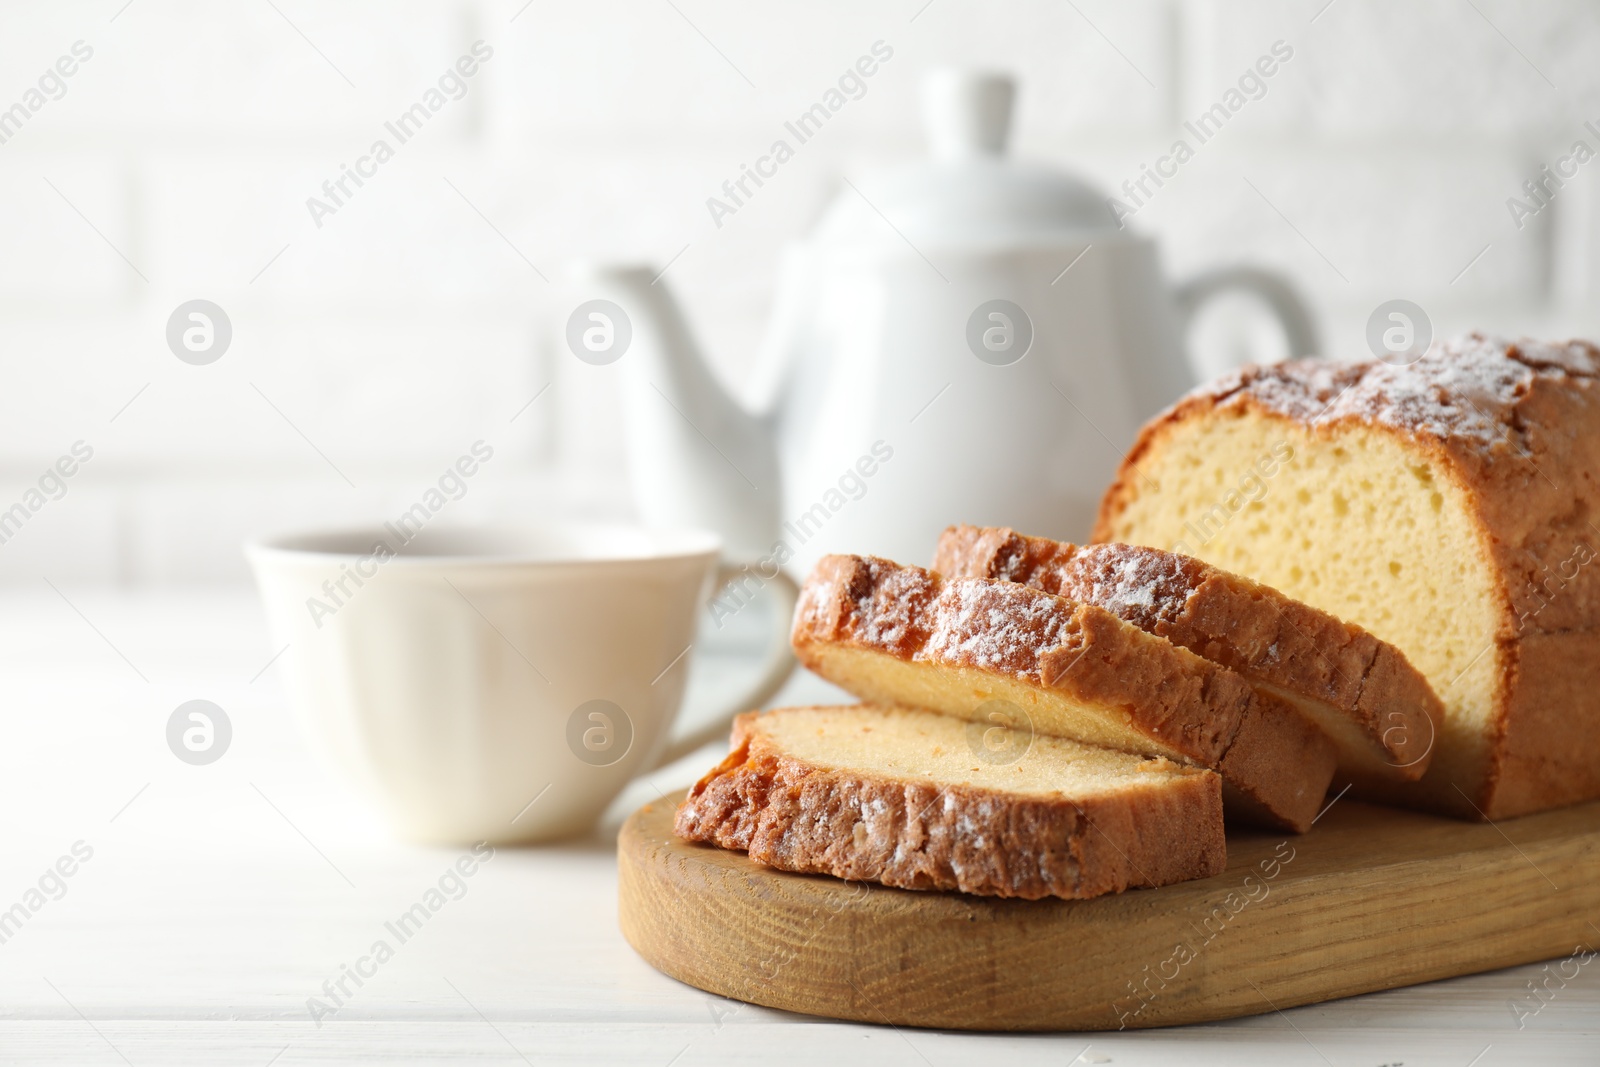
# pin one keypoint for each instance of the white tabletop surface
(218, 899)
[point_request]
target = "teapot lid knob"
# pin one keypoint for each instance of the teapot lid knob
(967, 112)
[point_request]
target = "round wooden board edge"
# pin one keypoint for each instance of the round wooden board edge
(653, 862)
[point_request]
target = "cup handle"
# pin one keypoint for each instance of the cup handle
(1281, 296)
(780, 663)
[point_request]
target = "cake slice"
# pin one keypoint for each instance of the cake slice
(1450, 506)
(916, 799)
(902, 635)
(1364, 694)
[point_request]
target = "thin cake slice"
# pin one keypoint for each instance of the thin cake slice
(902, 635)
(1363, 692)
(919, 800)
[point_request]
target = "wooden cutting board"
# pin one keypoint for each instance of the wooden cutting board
(1371, 898)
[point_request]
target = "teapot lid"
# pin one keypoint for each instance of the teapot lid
(969, 192)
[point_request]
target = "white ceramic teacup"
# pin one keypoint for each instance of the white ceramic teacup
(498, 683)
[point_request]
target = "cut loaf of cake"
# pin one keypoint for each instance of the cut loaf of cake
(1448, 507)
(969, 646)
(904, 797)
(1361, 691)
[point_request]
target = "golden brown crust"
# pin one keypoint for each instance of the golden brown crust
(1517, 426)
(971, 629)
(914, 834)
(1301, 653)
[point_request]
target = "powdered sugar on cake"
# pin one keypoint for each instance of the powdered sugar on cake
(898, 594)
(1466, 389)
(1139, 585)
(988, 624)
(1133, 583)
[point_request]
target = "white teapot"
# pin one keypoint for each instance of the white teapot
(968, 339)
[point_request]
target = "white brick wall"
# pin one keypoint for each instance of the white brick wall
(407, 326)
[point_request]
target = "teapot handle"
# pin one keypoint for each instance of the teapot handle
(1293, 315)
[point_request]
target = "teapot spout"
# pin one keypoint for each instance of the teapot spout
(696, 456)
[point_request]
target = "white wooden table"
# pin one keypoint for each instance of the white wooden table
(220, 898)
